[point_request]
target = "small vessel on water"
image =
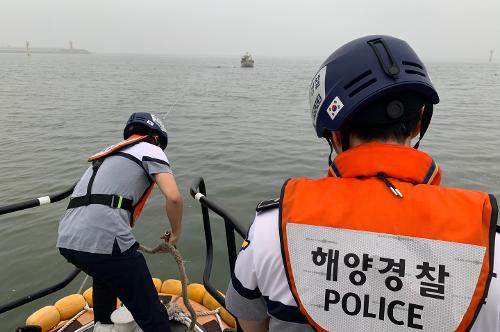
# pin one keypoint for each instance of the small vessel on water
(247, 61)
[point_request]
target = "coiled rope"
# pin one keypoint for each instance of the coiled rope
(169, 248)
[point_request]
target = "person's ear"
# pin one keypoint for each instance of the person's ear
(157, 139)
(337, 141)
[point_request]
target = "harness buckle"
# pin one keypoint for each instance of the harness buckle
(116, 202)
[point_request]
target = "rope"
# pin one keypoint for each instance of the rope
(175, 312)
(69, 322)
(169, 248)
(208, 312)
(214, 312)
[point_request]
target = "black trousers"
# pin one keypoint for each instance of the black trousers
(126, 276)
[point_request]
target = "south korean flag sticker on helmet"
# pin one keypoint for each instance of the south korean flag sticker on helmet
(334, 108)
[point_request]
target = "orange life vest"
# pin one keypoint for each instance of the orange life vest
(361, 257)
(115, 201)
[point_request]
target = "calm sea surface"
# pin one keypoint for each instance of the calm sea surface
(244, 130)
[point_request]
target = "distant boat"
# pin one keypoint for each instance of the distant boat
(247, 61)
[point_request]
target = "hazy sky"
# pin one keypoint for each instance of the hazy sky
(437, 29)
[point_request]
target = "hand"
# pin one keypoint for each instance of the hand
(166, 236)
(169, 237)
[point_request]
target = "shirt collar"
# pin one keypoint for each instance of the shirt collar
(395, 161)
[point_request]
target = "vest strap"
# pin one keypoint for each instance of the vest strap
(113, 201)
(95, 167)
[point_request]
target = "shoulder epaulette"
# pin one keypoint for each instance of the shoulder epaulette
(268, 204)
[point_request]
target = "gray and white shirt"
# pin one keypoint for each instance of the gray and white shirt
(94, 228)
(259, 288)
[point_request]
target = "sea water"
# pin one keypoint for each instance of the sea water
(244, 130)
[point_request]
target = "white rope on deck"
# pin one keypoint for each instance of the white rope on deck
(69, 322)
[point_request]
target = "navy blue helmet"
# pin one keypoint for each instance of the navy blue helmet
(364, 71)
(143, 121)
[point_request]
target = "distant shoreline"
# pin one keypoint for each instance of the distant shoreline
(40, 50)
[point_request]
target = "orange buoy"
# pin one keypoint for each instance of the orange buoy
(157, 283)
(50, 317)
(211, 303)
(46, 317)
(196, 292)
(88, 297)
(172, 286)
(227, 317)
(70, 305)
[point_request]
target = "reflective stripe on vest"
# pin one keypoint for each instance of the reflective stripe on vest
(97, 160)
(359, 258)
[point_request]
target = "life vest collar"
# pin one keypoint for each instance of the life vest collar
(116, 147)
(395, 161)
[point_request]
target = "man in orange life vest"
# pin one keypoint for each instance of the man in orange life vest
(95, 231)
(377, 245)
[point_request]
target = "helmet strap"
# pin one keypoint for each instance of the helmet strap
(344, 134)
(330, 161)
(424, 122)
(418, 143)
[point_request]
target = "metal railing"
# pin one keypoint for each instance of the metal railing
(198, 192)
(30, 203)
(44, 292)
(34, 202)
